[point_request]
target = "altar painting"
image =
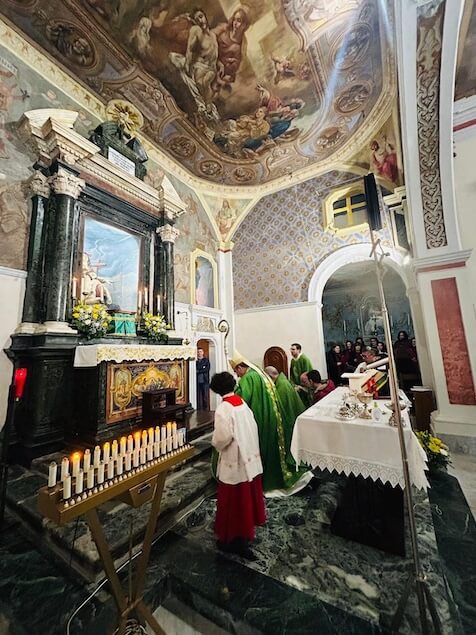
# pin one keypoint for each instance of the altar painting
(204, 280)
(110, 262)
(127, 382)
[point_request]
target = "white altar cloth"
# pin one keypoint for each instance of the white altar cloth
(359, 447)
(93, 354)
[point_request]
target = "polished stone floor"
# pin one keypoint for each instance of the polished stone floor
(305, 580)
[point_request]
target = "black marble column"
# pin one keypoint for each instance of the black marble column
(40, 192)
(165, 280)
(63, 218)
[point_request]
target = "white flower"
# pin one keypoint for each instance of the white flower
(443, 452)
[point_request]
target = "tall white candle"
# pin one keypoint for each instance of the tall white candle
(157, 434)
(157, 449)
(123, 445)
(52, 474)
(169, 429)
(110, 469)
(174, 427)
(97, 456)
(143, 456)
(114, 449)
(79, 482)
(64, 468)
(150, 452)
(169, 444)
(76, 463)
(164, 446)
(101, 473)
(86, 461)
(90, 478)
(175, 440)
(150, 436)
(127, 461)
(74, 292)
(107, 452)
(144, 438)
(163, 433)
(137, 438)
(136, 457)
(119, 464)
(67, 487)
(130, 443)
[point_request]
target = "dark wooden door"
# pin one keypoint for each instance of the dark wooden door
(277, 357)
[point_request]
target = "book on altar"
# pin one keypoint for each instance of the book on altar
(358, 381)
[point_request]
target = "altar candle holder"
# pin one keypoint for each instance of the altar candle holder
(97, 456)
(52, 474)
(76, 463)
(86, 461)
(130, 443)
(114, 449)
(67, 487)
(64, 468)
(107, 451)
(78, 486)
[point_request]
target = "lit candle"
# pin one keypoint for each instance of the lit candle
(64, 468)
(114, 449)
(143, 456)
(174, 427)
(119, 465)
(110, 469)
(74, 291)
(150, 438)
(169, 444)
(107, 450)
(175, 440)
(128, 461)
(76, 463)
(164, 446)
(101, 473)
(169, 429)
(130, 443)
(157, 434)
(86, 461)
(67, 487)
(79, 482)
(97, 456)
(90, 481)
(150, 452)
(139, 302)
(163, 433)
(52, 474)
(144, 438)
(136, 458)
(137, 440)
(123, 445)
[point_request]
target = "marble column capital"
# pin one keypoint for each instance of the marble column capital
(168, 233)
(63, 182)
(37, 185)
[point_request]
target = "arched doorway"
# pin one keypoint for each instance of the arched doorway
(277, 357)
(209, 350)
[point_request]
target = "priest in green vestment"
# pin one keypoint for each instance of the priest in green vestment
(259, 392)
(299, 364)
(291, 406)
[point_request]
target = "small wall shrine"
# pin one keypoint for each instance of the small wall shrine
(100, 289)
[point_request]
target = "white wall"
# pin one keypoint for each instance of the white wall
(465, 185)
(259, 329)
(12, 289)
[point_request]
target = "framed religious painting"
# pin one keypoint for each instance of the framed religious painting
(204, 281)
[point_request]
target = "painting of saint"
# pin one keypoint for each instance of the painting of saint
(109, 265)
(204, 282)
(384, 159)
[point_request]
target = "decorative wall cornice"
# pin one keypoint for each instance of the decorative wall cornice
(168, 233)
(63, 182)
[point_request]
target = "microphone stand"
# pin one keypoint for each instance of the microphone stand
(417, 580)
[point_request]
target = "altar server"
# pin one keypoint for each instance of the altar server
(240, 499)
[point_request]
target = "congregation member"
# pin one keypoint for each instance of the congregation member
(259, 392)
(382, 349)
(291, 405)
(304, 390)
(321, 387)
(358, 359)
(299, 364)
(348, 357)
(240, 500)
(335, 366)
(360, 341)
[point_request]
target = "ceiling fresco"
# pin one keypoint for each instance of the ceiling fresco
(236, 93)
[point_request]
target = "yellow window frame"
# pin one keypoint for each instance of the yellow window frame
(343, 193)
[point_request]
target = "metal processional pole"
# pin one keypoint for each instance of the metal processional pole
(417, 578)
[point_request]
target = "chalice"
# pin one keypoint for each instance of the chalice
(366, 398)
(392, 421)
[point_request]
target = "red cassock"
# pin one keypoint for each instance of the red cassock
(240, 507)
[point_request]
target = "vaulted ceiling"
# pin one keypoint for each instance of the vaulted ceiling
(238, 94)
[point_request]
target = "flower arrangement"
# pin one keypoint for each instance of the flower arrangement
(155, 327)
(91, 320)
(436, 451)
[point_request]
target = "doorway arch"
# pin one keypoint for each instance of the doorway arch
(345, 256)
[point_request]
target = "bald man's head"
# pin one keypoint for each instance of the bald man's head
(272, 372)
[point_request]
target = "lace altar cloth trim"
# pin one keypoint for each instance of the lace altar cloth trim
(94, 354)
(348, 465)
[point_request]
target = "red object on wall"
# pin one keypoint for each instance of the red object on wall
(454, 348)
(19, 382)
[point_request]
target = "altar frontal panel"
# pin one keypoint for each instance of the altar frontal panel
(126, 383)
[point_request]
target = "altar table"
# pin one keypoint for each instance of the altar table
(368, 453)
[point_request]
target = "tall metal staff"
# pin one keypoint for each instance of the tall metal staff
(417, 579)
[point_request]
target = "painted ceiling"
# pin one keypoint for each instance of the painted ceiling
(466, 65)
(238, 94)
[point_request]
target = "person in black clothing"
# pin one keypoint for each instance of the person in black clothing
(203, 380)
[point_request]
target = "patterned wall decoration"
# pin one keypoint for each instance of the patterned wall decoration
(232, 91)
(282, 240)
(430, 33)
(466, 67)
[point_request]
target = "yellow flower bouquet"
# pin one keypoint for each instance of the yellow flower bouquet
(155, 327)
(91, 320)
(437, 452)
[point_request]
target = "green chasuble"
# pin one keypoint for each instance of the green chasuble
(291, 408)
(299, 366)
(259, 392)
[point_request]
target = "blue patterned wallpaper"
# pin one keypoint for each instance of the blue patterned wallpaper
(282, 241)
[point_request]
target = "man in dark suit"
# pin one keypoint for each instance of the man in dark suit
(203, 380)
